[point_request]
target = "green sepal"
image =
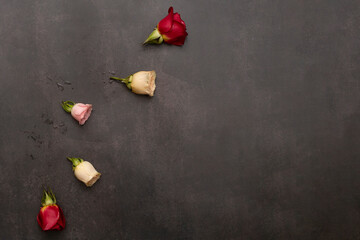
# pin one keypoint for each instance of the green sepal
(127, 80)
(67, 105)
(154, 38)
(75, 161)
(48, 198)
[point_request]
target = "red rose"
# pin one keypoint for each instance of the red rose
(50, 216)
(171, 29)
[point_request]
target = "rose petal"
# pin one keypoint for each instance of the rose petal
(178, 19)
(81, 112)
(166, 23)
(178, 42)
(48, 217)
(61, 220)
(176, 35)
(85, 116)
(56, 227)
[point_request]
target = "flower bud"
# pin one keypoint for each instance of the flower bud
(85, 171)
(142, 82)
(79, 111)
(51, 216)
(171, 29)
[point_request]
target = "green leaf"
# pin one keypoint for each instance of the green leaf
(67, 105)
(75, 161)
(154, 38)
(48, 198)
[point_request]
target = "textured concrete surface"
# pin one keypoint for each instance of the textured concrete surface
(253, 132)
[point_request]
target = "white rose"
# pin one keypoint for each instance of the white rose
(85, 171)
(142, 82)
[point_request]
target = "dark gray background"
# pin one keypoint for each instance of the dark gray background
(253, 132)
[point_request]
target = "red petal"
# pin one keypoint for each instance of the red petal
(61, 221)
(48, 217)
(178, 19)
(176, 35)
(56, 227)
(165, 24)
(178, 42)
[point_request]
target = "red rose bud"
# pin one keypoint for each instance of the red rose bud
(79, 111)
(171, 29)
(50, 216)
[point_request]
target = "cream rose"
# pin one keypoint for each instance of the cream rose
(81, 112)
(142, 82)
(85, 171)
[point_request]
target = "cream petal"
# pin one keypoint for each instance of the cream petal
(143, 82)
(86, 173)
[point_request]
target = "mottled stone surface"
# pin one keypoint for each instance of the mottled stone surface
(253, 132)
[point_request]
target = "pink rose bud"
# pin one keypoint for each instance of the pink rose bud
(81, 112)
